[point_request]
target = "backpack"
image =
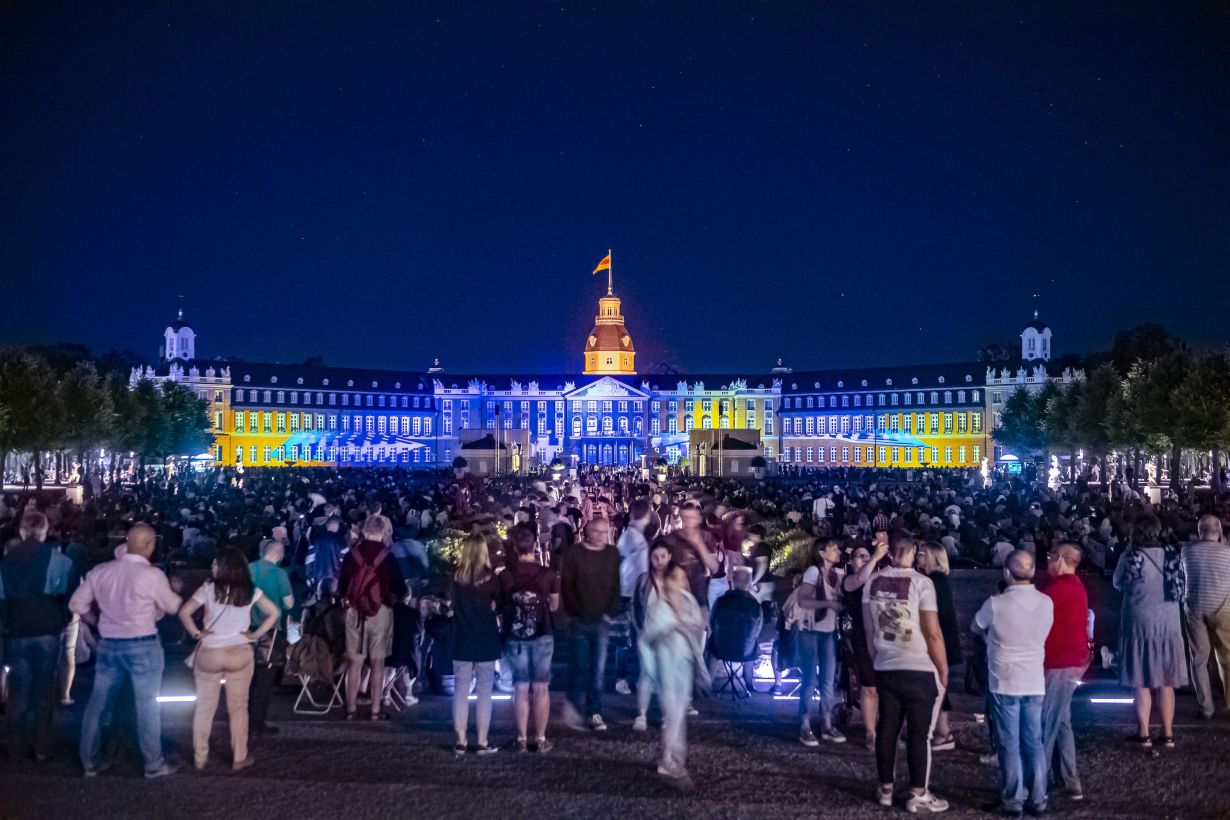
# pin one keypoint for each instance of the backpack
(527, 615)
(363, 591)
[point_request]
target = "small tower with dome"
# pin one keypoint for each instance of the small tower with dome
(608, 349)
(179, 340)
(1036, 341)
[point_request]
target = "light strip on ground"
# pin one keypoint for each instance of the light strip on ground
(1112, 700)
(493, 697)
(176, 698)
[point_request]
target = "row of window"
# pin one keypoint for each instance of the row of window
(366, 400)
(607, 406)
(917, 423)
(320, 452)
(881, 399)
(253, 421)
(878, 455)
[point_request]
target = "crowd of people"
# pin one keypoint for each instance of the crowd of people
(845, 574)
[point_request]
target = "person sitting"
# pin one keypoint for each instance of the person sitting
(735, 624)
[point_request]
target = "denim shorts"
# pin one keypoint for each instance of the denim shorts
(530, 661)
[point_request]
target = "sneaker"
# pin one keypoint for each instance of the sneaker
(988, 758)
(459, 749)
(95, 771)
(411, 700)
(70, 702)
(925, 803)
(943, 744)
(640, 724)
(571, 718)
(484, 750)
(884, 794)
(1165, 741)
(521, 746)
(1074, 794)
(831, 735)
(692, 711)
(776, 689)
(1143, 741)
(543, 746)
(622, 687)
(240, 765)
(597, 723)
(165, 770)
(807, 738)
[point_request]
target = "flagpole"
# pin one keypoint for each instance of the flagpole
(610, 263)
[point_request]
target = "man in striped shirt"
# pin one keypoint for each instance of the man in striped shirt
(1206, 563)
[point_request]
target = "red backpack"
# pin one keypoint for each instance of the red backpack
(363, 593)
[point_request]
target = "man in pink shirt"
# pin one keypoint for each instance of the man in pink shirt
(130, 596)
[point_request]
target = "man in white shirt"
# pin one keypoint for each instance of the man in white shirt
(633, 563)
(822, 506)
(1015, 625)
(902, 624)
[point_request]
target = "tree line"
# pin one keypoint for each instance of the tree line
(1150, 396)
(51, 407)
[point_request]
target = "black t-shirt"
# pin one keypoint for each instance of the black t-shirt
(476, 633)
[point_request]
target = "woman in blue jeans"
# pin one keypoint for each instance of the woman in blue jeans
(815, 639)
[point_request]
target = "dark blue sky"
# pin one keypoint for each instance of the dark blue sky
(833, 184)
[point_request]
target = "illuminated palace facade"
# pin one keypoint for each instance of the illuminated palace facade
(287, 414)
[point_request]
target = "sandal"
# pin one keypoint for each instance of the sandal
(377, 716)
(1165, 741)
(351, 715)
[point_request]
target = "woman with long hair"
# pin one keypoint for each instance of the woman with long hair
(225, 651)
(659, 564)
(673, 627)
(1152, 659)
(863, 563)
(817, 603)
(475, 640)
(931, 560)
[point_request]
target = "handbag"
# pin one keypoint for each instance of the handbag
(190, 661)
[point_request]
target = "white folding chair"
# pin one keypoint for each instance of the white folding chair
(307, 703)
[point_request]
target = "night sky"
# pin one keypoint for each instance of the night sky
(835, 184)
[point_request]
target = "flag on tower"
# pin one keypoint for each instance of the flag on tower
(605, 264)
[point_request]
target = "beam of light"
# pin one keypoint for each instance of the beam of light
(176, 698)
(1112, 700)
(493, 697)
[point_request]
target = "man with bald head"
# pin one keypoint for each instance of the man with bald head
(1206, 609)
(1015, 625)
(1067, 656)
(130, 595)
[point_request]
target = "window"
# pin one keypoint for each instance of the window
(810, 452)
(832, 426)
(845, 401)
(294, 452)
(961, 455)
(909, 454)
(281, 397)
(811, 426)
(655, 426)
(881, 422)
(689, 423)
(332, 421)
(977, 453)
(371, 423)
(294, 396)
(217, 420)
(239, 455)
(858, 454)
(810, 404)
(672, 424)
(416, 426)
(267, 422)
(960, 397)
(369, 399)
(883, 455)
(576, 425)
(948, 424)
(935, 424)
(833, 455)
(858, 400)
(706, 423)
(294, 422)
(238, 421)
(947, 455)
(909, 422)
(239, 394)
(909, 398)
(380, 425)
(947, 397)
(962, 423)
(845, 455)
(896, 455)
(935, 397)
(893, 422)
(268, 396)
(976, 422)
(252, 454)
(974, 397)
(894, 398)
(881, 400)
(591, 424)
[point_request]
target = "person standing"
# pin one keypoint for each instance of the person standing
(529, 593)
(131, 595)
(815, 638)
(1067, 657)
(862, 564)
(269, 577)
(932, 561)
(33, 585)
(1152, 659)
(475, 641)
(674, 624)
(633, 563)
(1015, 625)
(902, 623)
(589, 586)
(1206, 564)
(370, 583)
(224, 656)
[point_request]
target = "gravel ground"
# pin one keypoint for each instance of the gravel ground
(744, 760)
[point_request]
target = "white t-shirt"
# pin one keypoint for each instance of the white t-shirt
(225, 623)
(826, 619)
(892, 604)
(1016, 624)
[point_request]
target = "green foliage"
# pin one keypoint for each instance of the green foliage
(459, 463)
(1023, 422)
